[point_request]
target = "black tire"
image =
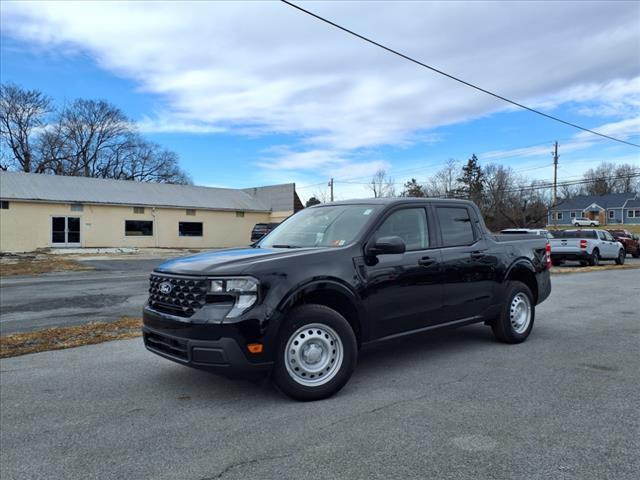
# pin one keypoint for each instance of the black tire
(636, 255)
(621, 257)
(556, 263)
(584, 264)
(594, 261)
(287, 380)
(592, 224)
(576, 224)
(503, 327)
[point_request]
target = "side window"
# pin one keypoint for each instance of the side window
(602, 236)
(410, 224)
(608, 236)
(455, 225)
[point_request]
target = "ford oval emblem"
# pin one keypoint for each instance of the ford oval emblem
(165, 288)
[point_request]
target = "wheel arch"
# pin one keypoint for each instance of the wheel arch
(332, 294)
(523, 271)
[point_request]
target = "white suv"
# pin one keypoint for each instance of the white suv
(584, 222)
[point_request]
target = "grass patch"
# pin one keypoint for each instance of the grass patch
(36, 264)
(616, 226)
(561, 270)
(58, 338)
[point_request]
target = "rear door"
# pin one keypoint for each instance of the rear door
(402, 291)
(469, 263)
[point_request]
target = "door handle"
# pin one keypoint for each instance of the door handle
(426, 261)
(477, 254)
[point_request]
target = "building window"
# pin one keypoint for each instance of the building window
(190, 229)
(191, 212)
(138, 209)
(138, 228)
(633, 213)
(239, 214)
(4, 205)
(612, 214)
(556, 215)
(573, 215)
(76, 207)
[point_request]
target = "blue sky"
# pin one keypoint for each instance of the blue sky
(249, 102)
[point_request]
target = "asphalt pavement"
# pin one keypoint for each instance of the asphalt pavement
(115, 289)
(453, 405)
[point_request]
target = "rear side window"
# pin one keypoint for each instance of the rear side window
(410, 225)
(455, 225)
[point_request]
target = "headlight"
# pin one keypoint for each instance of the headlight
(243, 290)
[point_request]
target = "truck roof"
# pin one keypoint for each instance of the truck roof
(395, 200)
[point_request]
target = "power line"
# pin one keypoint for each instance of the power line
(452, 77)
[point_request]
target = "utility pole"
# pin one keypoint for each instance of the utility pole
(331, 185)
(554, 212)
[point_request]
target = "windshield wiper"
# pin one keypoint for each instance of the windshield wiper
(284, 246)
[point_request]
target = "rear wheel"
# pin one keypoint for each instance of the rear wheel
(317, 353)
(516, 319)
(592, 224)
(621, 257)
(637, 254)
(594, 261)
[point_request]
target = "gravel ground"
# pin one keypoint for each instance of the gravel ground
(454, 405)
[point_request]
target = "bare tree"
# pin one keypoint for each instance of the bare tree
(21, 113)
(444, 183)
(381, 185)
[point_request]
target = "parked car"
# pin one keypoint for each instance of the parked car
(585, 222)
(530, 231)
(586, 246)
(631, 241)
(335, 277)
(261, 229)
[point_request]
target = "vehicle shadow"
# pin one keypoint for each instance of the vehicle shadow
(389, 358)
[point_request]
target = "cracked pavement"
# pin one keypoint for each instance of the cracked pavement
(451, 405)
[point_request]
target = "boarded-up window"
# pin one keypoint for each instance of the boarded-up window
(4, 205)
(191, 212)
(239, 214)
(190, 229)
(138, 228)
(138, 209)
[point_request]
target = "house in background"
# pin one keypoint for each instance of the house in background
(44, 211)
(615, 208)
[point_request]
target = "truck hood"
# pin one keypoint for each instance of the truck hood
(228, 261)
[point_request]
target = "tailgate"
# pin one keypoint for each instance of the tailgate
(565, 245)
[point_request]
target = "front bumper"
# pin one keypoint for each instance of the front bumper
(212, 347)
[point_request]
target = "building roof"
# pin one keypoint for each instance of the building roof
(581, 202)
(63, 189)
(633, 203)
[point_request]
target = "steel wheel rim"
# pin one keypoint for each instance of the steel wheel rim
(520, 313)
(313, 355)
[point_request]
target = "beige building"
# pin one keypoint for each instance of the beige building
(50, 211)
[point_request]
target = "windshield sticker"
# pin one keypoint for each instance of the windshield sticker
(338, 243)
(367, 211)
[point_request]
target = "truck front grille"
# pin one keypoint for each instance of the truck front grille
(180, 296)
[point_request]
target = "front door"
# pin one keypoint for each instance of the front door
(65, 231)
(402, 291)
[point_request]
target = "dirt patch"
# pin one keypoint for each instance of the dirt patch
(36, 264)
(561, 270)
(58, 338)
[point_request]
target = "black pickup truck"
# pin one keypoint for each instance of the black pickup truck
(301, 302)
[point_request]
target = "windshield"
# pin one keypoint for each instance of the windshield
(331, 226)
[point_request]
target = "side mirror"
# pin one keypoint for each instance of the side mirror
(386, 245)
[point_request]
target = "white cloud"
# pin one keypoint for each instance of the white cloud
(263, 67)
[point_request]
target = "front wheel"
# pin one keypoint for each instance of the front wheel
(577, 224)
(317, 353)
(516, 319)
(620, 258)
